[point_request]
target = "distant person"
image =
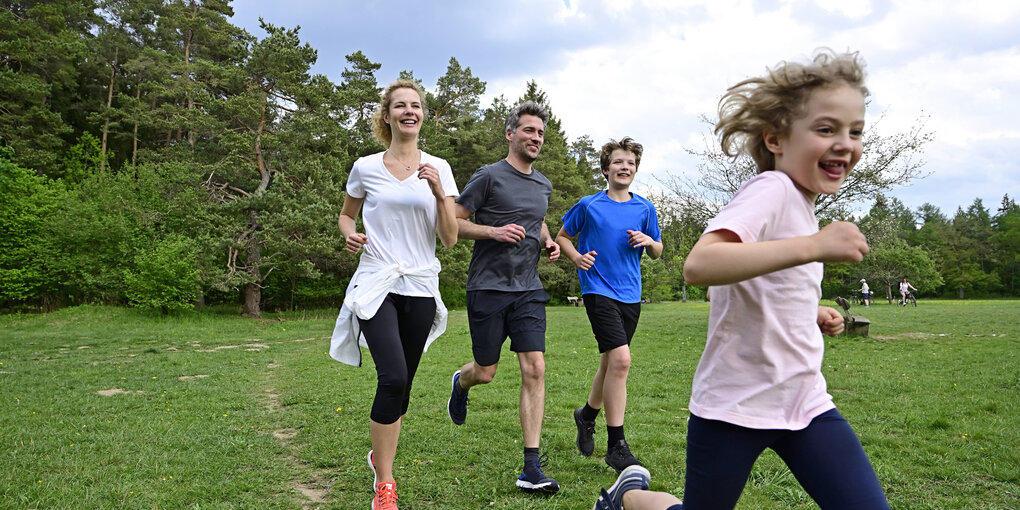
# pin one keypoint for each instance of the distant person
(614, 227)
(393, 302)
(505, 297)
(865, 293)
(905, 288)
(759, 382)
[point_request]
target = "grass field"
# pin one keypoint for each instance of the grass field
(111, 408)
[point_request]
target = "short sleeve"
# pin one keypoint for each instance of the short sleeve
(652, 228)
(573, 221)
(752, 208)
(446, 178)
(355, 186)
(473, 195)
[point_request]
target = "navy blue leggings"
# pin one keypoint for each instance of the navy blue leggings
(826, 458)
(396, 336)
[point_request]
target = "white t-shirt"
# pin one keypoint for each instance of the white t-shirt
(399, 216)
(761, 367)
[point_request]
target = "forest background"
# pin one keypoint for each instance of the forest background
(154, 154)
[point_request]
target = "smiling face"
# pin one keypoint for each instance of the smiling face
(622, 167)
(526, 141)
(824, 144)
(405, 113)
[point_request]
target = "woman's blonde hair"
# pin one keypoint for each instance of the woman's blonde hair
(380, 129)
(772, 102)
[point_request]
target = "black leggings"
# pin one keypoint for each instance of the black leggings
(396, 336)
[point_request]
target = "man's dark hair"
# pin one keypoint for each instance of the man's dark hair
(526, 108)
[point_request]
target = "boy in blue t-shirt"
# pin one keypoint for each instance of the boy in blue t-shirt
(613, 228)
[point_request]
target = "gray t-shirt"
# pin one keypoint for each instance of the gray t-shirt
(498, 195)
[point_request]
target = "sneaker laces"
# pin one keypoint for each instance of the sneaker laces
(626, 449)
(386, 495)
(462, 394)
(541, 462)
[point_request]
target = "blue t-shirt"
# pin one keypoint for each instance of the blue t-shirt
(603, 224)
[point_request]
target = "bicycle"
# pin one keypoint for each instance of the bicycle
(909, 298)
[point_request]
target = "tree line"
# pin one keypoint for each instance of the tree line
(153, 154)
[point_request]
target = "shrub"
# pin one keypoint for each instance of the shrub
(165, 278)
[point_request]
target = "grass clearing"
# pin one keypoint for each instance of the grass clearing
(106, 407)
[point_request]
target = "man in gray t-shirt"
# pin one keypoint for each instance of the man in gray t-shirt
(498, 194)
(504, 294)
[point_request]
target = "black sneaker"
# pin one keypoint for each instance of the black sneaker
(633, 477)
(457, 405)
(619, 457)
(585, 433)
(540, 483)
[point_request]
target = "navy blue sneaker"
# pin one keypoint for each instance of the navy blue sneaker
(538, 483)
(457, 405)
(633, 477)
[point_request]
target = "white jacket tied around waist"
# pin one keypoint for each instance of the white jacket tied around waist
(369, 286)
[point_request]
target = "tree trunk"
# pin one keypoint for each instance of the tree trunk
(187, 76)
(252, 298)
(109, 103)
(253, 290)
(134, 132)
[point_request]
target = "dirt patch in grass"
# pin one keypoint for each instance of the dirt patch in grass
(272, 400)
(284, 434)
(192, 377)
(313, 491)
(117, 391)
(899, 336)
(249, 347)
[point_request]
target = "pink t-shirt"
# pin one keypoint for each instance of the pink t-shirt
(762, 363)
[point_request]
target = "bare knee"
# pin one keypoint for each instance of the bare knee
(532, 366)
(618, 363)
(484, 374)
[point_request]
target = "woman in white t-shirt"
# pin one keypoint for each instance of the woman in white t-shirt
(905, 288)
(406, 197)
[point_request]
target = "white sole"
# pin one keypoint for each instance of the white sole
(626, 473)
(375, 476)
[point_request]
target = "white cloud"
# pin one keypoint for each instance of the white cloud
(650, 68)
(858, 9)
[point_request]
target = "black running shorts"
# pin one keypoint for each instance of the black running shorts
(495, 315)
(613, 322)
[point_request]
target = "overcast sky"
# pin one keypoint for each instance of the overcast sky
(650, 69)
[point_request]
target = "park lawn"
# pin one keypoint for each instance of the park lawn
(107, 407)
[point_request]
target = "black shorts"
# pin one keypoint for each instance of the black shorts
(613, 322)
(494, 315)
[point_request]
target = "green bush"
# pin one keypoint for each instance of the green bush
(25, 202)
(165, 278)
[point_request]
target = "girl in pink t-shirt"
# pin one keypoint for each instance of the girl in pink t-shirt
(759, 382)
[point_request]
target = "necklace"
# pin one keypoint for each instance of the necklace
(406, 166)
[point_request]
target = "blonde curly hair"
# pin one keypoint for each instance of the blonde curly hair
(380, 129)
(772, 102)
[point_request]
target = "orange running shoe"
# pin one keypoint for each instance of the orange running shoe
(385, 496)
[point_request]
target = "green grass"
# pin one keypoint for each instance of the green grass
(216, 411)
